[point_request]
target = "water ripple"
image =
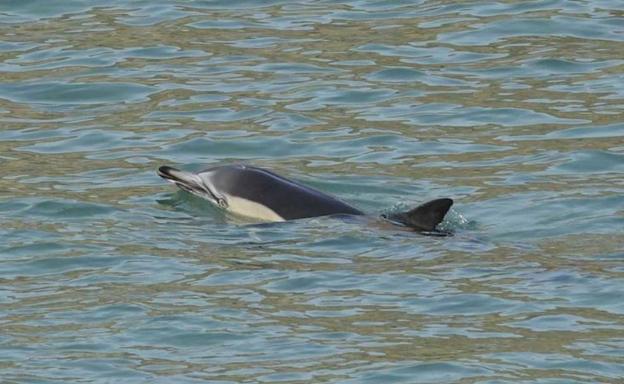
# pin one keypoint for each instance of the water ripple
(512, 108)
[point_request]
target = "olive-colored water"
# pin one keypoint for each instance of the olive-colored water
(513, 108)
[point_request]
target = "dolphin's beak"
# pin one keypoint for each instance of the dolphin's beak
(187, 181)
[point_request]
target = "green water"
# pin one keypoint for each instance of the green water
(512, 108)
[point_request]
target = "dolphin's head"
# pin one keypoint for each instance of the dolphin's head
(201, 184)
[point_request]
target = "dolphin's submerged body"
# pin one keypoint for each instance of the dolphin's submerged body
(263, 195)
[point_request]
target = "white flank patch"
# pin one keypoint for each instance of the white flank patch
(249, 208)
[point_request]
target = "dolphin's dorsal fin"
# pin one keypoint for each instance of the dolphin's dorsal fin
(425, 217)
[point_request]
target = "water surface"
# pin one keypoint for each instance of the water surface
(514, 109)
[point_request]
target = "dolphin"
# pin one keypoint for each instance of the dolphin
(263, 195)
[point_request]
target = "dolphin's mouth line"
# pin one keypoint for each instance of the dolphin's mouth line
(200, 190)
(213, 197)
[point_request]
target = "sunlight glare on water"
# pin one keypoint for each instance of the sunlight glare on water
(512, 108)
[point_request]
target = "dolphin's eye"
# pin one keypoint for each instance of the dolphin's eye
(222, 203)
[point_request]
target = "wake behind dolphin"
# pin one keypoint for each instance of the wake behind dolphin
(263, 195)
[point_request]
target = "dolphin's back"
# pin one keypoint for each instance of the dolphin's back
(287, 198)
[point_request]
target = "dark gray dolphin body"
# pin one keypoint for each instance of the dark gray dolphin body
(260, 194)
